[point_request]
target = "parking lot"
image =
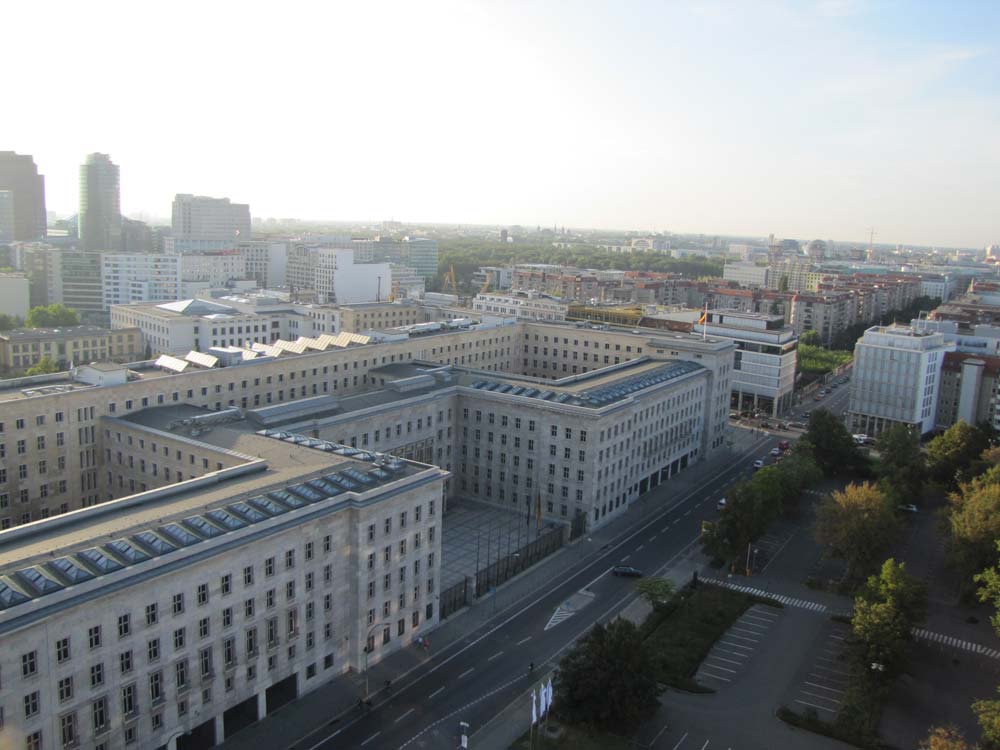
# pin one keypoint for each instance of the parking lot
(734, 650)
(821, 688)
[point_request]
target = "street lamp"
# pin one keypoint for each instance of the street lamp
(370, 644)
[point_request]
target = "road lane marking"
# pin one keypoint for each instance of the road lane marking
(436, 692)
(680, 741)
(467, 672)
(640, 548)
(662, 730)
(596, 579)
(404, 716)
(652, 537)
(496, 655)
(705, 745)
(626, 558)
(523, 640)
(370, 739)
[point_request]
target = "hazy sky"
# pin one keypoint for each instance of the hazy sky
(806, 119)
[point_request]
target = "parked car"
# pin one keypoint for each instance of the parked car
(721, 505)
(908, 508)
(626, 571)
(758, 464)
(775, 451)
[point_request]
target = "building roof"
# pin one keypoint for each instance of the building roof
(63, 332)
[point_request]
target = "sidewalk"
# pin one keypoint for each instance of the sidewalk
(337, 700)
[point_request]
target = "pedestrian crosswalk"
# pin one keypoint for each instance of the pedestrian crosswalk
(788, 601)
(948, 640)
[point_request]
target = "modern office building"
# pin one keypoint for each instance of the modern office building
(199, 218)
(22, 205)
(422, 254)
(335, 277)
(266, 262)
(218, 268)
(765, 359)
(80, 284)
(897, 376)
(746, 274)
(100, 215)
(139, 277)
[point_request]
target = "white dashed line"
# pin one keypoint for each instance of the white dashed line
(404, 716)
(497, 655)
(523, 640)
(370, 739)
(467, 672)
(436, 692)
(640, 548)
(625, 558)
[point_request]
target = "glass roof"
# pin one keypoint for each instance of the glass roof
(69, 571)
(98, 560)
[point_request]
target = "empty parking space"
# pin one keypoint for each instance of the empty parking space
(731, 654)
(822, 687)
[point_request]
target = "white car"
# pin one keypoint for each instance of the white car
(775, 451)
(758, 464)
(721, 505)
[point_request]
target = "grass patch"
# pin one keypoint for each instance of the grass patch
(682, 634)
(811, 722)
(817, 360)
(573, 738)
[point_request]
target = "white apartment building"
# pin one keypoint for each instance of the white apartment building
(941, 287)
(14, 293)
(240, 580)
(765, 359)
(218, 268)
(897, 376)
(334, 276)
(128, 278)
(524, 305)
(266, 262)
(197, 217)
(746, 274)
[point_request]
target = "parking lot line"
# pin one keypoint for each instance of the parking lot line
(731, 653)
(745, 630)
(715, 666)
(813, 705)
(716, 677)
(737, 645)
(680, 741)
(722, 658)
(744, 638)
(817, 696)
(824, 687)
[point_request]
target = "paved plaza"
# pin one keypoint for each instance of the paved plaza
(477, 534)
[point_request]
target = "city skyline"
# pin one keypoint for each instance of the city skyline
(815, 120)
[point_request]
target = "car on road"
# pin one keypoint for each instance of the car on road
(721, 505)
(626, 571)
(784, 445)
(908, 508)
(758, 464)
(818, 397)
(775, 451)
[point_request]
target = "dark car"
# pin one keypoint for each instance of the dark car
(627, 571)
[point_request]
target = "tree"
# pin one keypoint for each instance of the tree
(7, 322)
(988, 714)
(974, 525)
(945, 738)
(954, 451)
(656, 591)
(607, 680)
(45, 366)
(832, 446)
(810, 338)
(51, 316)
(893, 584)
(857, 526)
(901, 468)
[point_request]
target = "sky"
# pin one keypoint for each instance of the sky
(803, 119)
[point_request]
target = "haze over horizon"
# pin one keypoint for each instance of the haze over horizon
(806, 120)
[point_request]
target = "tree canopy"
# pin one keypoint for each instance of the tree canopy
(656, 591)
(51, 316)
(607, 680)
(857, 526)
(832, 446)
(45, 366)
(954, 451)
(901, 467)
(8, 322)
(945, 738)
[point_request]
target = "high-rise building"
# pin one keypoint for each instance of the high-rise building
(139, 277)
(80, 284)
(423, 256)
(100, 204)
(197, 219)
(22, 216)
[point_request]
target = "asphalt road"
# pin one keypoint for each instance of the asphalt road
(474, 679)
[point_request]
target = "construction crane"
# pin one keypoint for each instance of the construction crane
(486, 284)
(450, 280)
